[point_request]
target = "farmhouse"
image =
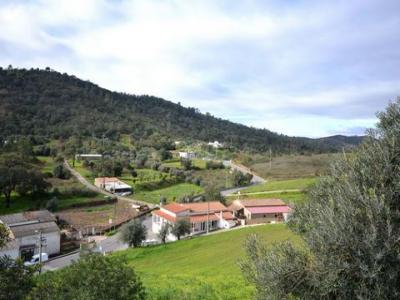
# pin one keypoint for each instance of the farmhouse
(215, 144)
(88, 156)
(113, 185)
(187, 154)
(25, 229)
(197, 214)
(256, 211)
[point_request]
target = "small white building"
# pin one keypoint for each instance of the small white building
(187, 155)
(197, 214)
(215, 144)
(88, 156)
(113, 185)
(25, 229)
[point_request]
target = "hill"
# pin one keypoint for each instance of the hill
(203, 267)
(54, 105)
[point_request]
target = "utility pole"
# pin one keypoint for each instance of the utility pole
(208, 215)
(40, 250)
(270, 158)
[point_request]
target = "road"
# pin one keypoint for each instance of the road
(96, 189)
(235, 166)
(109, 244)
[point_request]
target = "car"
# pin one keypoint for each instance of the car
(35, 259)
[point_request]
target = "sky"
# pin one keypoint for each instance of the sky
(303, 68)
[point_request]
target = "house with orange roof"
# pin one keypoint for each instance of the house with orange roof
(197, 214)
(256, 211)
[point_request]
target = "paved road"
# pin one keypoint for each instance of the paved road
(235, 166)
(96, 189)
(109, 244)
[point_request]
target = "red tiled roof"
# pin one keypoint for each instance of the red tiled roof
(175, 207)
(227, 215)
(164, 215)
(203, 218)
(195, 207)
(269, 209)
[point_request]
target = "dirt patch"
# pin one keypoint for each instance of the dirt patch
(96, 219)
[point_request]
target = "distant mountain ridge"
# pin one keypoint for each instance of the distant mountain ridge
(50, 104)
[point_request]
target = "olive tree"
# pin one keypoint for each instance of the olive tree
(134, 233)
(350, 226)
(180, 228)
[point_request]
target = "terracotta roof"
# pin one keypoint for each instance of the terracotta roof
(269, 209)
(227, 215)
(203, 218)
(261, 202)
(164, 215)
(103, 180)
(175, 207)
(195, 207)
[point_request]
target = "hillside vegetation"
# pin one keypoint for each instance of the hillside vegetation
(45, 103)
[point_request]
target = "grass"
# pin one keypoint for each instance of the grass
(221, 178)
(301, 184)
(288, 197)
(205, 264)
(176, 163)
(172, 193)
(292, 166)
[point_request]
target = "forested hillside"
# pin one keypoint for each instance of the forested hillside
(54, 105)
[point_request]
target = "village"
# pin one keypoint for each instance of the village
(56, 238)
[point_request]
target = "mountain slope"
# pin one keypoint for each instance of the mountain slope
(51, 104)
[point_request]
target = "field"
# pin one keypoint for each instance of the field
(70, 193)
(202, 268)
(176, 163)
(291, 166)
(221, 178)
(172, 193)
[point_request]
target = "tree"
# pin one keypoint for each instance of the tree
(350, 227)
(118, 168)
(61, 172)
(10, 178)
(186, 164)
(163, 200)
(16, 280)
(212, 193)
(4, 235)
(163, 233)
(92, 277)
(180, 228)
(52, 204)
(241, 179)
(134, 233)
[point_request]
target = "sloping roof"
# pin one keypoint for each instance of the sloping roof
(261, 202)
(32, 229)
(105, 180)
(27, 217)
(203, 218)
(269, 209)
(164, 215)
(195, 207)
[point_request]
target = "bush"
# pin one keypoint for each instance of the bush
(61, 172)
(134, 233)
(52, 204)
(214, 165)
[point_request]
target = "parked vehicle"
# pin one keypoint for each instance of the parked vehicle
(35, 259)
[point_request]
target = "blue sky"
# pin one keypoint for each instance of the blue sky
(306, 68)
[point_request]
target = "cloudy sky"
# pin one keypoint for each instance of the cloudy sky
(308, 68)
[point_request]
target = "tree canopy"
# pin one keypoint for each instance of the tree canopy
(350, 227)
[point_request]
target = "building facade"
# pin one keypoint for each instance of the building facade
(25, 231)
(197, 214)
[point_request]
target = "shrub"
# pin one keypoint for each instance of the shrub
(52, 204)
(133, 233)
(61, 172)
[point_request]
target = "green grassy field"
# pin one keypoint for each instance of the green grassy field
(201, 268)
(221, 178)
(301, 184)
(172, 193)
(288, 197)
(176, 163)
(291, 166)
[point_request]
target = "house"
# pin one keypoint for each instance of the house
(215, 144)
(25, 229)
(256, 211)
(88, 156)
(187, 154)
(113, 185)
(197, 214)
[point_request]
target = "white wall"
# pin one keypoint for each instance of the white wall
(51, 246)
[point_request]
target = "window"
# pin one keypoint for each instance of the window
(203, 226)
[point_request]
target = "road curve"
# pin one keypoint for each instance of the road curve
(96, 189)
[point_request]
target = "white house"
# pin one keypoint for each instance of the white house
(25, 229)
(113, 185)
(216, 144)
(197, 214)
(187, 154)
(88, 156)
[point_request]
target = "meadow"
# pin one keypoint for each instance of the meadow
(201, 268)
